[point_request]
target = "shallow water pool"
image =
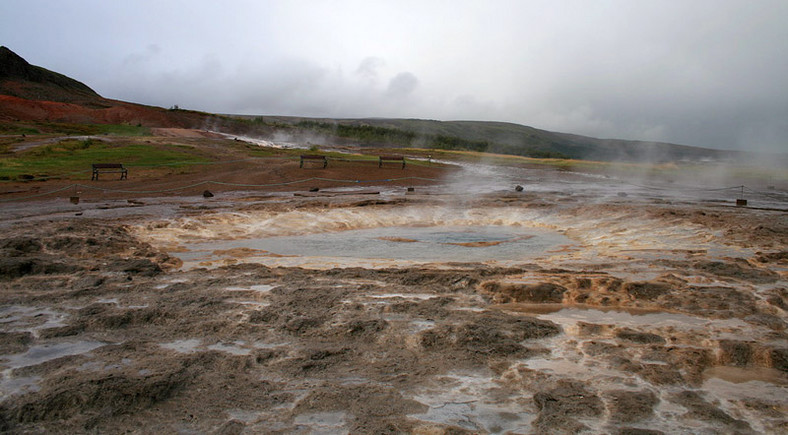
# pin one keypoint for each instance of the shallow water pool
(427, 244)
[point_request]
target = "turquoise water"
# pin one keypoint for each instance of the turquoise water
(438, 244)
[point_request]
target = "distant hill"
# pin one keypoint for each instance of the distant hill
(511, 138)
(502, 137)
(20, 79)
(33, 93)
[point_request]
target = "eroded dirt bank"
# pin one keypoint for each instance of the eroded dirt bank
(102, 329)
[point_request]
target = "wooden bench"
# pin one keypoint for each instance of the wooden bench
(313, 157)
(115, 168)
(391, 159)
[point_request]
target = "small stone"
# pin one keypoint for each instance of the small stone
(314, 189)
(519, 188)
(207, 194)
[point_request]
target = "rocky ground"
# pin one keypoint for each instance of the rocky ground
(103, 328)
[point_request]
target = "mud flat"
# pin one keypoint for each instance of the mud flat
(552, 314)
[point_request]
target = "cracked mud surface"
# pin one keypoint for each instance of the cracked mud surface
(660, 318)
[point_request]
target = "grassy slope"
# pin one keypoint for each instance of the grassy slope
(72, 158)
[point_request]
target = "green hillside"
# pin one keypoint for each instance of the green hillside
(494, 137)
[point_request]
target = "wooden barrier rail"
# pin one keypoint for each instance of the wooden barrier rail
(109, 168)
(397, 159)
(313, 157)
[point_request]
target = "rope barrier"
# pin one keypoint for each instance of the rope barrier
(681, 187)
(778, 197)
(251, 159)
(742, 188)
(39, 194)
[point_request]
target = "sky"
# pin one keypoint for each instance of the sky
(709, 73)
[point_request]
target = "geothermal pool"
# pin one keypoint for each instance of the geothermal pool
(435, 234)
(419, 244)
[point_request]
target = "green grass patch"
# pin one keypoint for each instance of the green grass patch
(17, 129)
(72, 159)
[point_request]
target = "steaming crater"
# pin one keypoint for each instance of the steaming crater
(406, 235)
(384, 244)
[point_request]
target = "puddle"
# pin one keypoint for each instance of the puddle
(244, 415)
(249, 303)
(10, 387)
(231, 348)
(19, 318)
(238, 347)
(421, 325)
(169, 282)
(35, 355)
(261, 288)
(183, 346)
(738, 375)
(264, 345)
(257, 299)
(471, 309)
(579, 368)
(731, 395)
(472, 402)
(753, 389)
(323, 422)
(46, 352)
(570, 316)
(416, 296)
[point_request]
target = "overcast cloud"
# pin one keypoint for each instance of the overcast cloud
(706, 73)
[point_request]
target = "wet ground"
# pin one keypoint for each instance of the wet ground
(581, 304)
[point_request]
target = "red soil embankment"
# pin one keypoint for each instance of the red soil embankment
(116, 112)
